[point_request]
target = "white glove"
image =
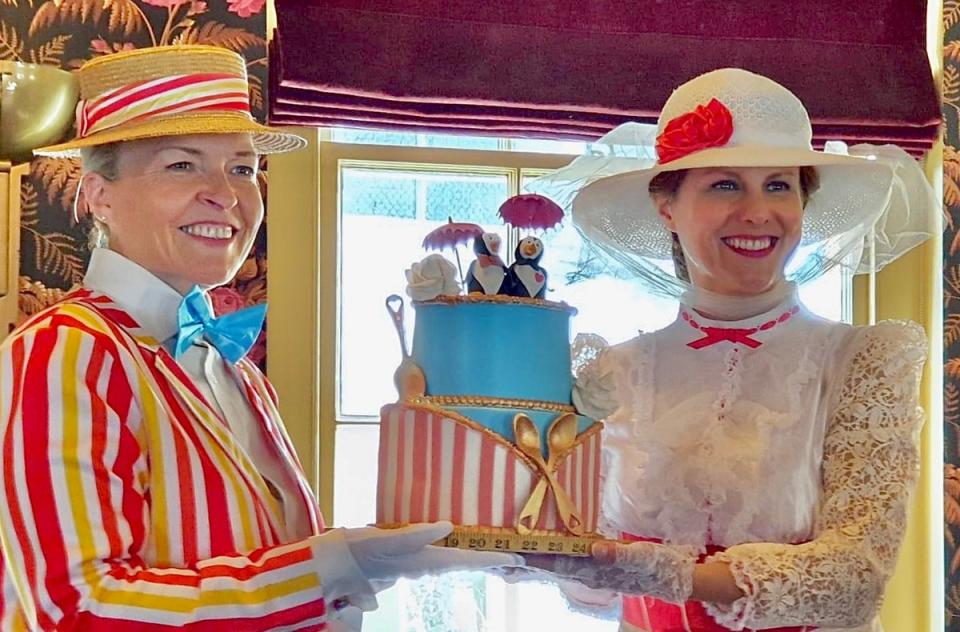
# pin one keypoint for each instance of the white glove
(385, 555)
(349, 619)
(662, 571)
(355, 564)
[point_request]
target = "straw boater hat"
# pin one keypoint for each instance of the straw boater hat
(166, 91)
(734, 118)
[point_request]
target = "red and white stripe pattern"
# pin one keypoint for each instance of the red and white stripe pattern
(126, 503)
(174, 94)
(435, 467)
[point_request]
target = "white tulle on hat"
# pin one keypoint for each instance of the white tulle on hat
(873, 203)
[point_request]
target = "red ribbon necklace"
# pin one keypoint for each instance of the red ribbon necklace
(713, 335)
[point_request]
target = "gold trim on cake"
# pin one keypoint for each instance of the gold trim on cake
(481, 401)
(497, 299)
(473, 425)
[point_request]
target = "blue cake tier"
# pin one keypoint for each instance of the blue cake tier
(495, 346)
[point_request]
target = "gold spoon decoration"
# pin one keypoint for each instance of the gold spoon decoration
(561, 436)
(408, 378)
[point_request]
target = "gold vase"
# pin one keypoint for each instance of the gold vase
(37, 106)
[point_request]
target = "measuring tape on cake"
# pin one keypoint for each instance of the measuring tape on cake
(493, 539)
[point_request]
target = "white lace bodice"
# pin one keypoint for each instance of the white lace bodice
(812, 437)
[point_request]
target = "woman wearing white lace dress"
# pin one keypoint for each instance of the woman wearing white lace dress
(760, 457)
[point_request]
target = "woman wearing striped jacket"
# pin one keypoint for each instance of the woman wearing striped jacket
(146, 481)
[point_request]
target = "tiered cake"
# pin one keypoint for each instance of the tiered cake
(485, 435)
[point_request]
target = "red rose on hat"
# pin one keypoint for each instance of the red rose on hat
(708, 125)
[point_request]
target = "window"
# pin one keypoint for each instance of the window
(385, 211)
(371, 137)
(391, 190)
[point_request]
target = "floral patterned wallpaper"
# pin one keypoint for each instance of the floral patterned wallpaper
(68, 32)
(951, 311)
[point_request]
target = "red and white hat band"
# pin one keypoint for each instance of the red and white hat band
(163, 96)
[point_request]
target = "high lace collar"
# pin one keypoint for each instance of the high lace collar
(730, 310)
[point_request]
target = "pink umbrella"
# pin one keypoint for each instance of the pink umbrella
(451, 235)
(531, 211)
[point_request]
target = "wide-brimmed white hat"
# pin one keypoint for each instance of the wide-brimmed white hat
(734, 118)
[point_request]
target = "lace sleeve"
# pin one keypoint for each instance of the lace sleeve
(599, 604)
(871, 461)
(595, 389)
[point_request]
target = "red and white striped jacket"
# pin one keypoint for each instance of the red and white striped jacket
(125, 501)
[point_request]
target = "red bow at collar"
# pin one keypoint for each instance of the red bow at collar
(713, 335)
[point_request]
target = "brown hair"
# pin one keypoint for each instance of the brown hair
(667, 183)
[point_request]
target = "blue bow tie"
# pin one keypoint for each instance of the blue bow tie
(232, 334)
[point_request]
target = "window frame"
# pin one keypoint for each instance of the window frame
(304, 373)
(302, 279)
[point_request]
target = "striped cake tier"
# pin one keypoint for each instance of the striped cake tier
(438, 464)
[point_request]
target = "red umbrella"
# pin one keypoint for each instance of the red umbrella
(451, 235)
(531, 211)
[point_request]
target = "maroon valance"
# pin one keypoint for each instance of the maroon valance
(574, 69)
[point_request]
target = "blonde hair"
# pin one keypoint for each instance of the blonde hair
(104, 160)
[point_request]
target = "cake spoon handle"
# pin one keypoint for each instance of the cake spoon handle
(561, 437)
(409, 378)
(566, 508)
(394, 305)
(530, 514)
(528, 440)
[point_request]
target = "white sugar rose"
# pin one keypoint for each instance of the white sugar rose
(432, 277)
(595, 389)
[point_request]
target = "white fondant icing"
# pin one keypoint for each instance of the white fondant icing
(407, 439)
(432, 277)
(492, 242)
(471, 491)
(531, 278)
(490, 278)
(446, 480)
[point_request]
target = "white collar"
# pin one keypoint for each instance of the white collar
(136, 290)
(720, 307)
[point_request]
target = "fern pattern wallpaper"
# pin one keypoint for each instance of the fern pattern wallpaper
(66, 33)
(951, 313)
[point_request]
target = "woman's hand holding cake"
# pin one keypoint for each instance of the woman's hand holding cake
(657, 570)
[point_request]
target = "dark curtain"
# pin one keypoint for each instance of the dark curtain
(570, 69)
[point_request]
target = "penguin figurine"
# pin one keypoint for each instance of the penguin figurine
(488, 272)
(527, 278)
